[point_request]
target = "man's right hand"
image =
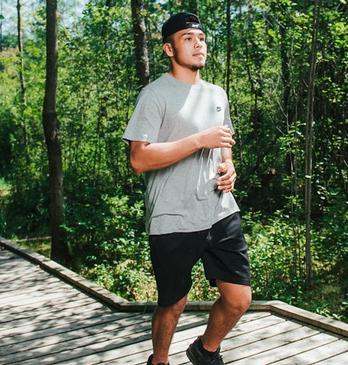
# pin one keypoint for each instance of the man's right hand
(216, 137)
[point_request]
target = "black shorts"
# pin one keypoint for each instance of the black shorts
(222, 249)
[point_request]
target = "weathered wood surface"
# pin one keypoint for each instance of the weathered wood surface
(44, 320)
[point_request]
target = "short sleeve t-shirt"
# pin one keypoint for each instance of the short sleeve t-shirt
(182, 197)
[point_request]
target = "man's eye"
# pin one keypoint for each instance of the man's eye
(188, 39)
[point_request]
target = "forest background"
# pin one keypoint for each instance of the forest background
(283, 65)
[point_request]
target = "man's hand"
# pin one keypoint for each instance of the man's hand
(226, 182)
(216, 137)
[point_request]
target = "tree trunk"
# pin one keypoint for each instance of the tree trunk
(22, 97)
(1, 19)
(20, 49)
(228, 47)
(59, 250)
(141, 53)
(309, 145)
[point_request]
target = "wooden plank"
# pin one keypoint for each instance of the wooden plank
(341, 359)
(24, 298)
(14, 264)
(108, 318)
(323, 352)
(26, 301)
(5, 257)
(43, 303)
(133, 355)
(284, 351)
(102, 352)
(19, 284)
(54, 318)
(14, 275)
(17, 272)
(31, 327)
(55, 310)
(25, 277)
(143, 343)
(75, 333)
(63, 346)
(94, 344)
(251, 348)
(248, 339)
(42, 285)
(36, 289)
(314, 319)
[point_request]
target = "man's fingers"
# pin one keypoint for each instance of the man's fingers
(226, 182)
(229, 175)
(225, 178)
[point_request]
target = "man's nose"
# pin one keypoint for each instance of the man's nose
(198, 43)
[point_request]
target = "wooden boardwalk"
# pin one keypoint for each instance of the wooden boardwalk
(46, 320)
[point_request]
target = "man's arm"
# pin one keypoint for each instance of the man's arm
(146, 156)
(226, 181)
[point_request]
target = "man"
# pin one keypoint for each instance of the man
(180, 135)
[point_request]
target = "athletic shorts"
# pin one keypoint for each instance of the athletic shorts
(222, 249)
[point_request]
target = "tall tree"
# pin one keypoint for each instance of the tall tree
(20, 49)
(228, 46)
(59, 249)
(141, 52)
(309, 143)
(21, 69)
(1, 19)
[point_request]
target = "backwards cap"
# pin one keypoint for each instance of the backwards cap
(178, 22)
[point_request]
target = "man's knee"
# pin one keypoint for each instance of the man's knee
(237, 304)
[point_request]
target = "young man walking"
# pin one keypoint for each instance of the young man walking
(180, 135)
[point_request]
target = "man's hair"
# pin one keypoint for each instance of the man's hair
(169, 39)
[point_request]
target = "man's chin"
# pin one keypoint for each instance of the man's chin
(198, 67)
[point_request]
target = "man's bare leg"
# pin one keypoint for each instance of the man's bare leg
(164, 323)
(233, 302)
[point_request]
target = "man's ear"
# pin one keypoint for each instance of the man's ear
(168, 49)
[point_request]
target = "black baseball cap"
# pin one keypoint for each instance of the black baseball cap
(178, 22)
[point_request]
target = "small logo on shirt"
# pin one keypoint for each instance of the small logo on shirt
(218, 108)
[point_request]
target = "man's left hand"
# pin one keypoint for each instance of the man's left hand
(228, 177)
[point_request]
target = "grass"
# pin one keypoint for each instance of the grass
(41, 246)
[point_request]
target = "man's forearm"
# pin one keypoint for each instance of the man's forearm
(152, 156)
(159, 155)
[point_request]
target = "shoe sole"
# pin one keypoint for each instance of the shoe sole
(191, 357)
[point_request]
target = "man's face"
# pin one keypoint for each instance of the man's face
(188, 48)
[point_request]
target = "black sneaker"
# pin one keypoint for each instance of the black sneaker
(198, 357)
(149, 361)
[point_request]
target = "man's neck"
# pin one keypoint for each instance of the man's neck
(185, 75)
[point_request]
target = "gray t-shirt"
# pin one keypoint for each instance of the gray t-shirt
(182, 197)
